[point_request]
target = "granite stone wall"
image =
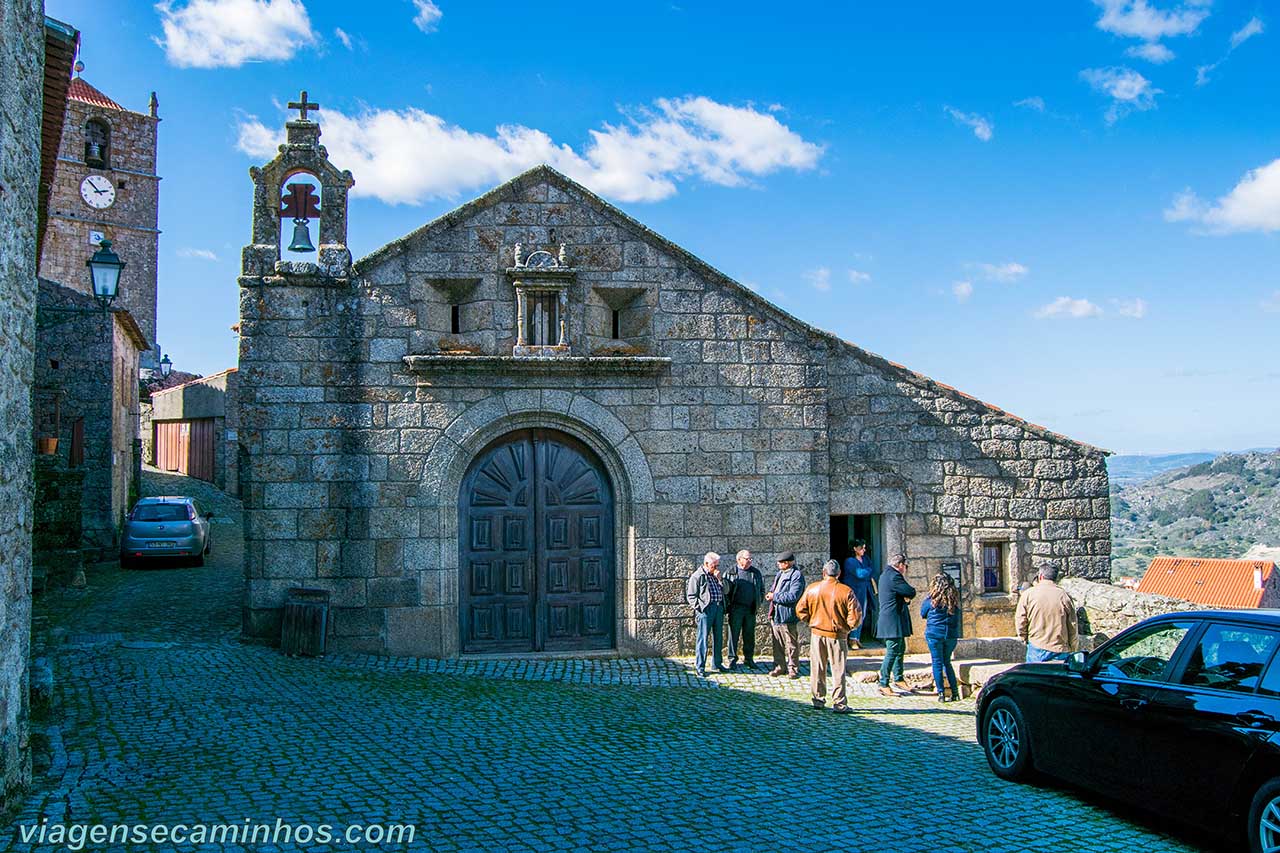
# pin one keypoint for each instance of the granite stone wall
(725, 424)
(1106, 610)
(22, 57)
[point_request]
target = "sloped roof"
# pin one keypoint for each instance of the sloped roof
(82, 91)
(545, 173)
(194, 381)
(1217, 583)
(61, 41)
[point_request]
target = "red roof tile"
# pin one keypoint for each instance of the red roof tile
(82, 91)
(1217, 583)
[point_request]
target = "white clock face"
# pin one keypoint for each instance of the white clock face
(97, 192)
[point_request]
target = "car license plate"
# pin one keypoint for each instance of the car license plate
(160, 544)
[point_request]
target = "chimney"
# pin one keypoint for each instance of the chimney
(1257, 576)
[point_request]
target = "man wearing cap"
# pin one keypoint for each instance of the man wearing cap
(1046, 618)
(783, 596)
(894, 624)
(705, 593)
(744, 593)
(830, 608)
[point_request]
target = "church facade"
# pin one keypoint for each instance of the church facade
(518, 428)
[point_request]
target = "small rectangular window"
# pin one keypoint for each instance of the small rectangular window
(543, 322)
(617, 324)
(455, 319)
(993, 573)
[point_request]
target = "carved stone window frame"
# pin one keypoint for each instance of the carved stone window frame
(552, 276)
(1014, 547)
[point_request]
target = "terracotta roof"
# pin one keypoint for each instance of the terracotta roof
(81, 91)
(1217, 583)
(61, 41)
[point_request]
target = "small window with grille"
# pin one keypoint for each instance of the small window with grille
(993, 566)
(542, 319)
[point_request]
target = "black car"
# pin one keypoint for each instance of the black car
(1179, 714)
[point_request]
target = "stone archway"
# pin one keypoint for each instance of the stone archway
(536, 547)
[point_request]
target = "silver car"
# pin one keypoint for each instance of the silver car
(165, 527)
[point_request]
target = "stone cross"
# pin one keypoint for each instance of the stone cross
(303, 105)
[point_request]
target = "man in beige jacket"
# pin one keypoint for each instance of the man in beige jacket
(1046, 619)
(831, 609)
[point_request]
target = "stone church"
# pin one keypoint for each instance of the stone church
(517, 429)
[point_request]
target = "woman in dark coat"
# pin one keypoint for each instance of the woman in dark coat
(856, 575)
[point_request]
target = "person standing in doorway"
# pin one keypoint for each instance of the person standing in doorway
(940, 611)
(705, 593)
(829, 608)
(783, 596)
(1046, 619)
(856, 574)
(744, 593)
(894, 624)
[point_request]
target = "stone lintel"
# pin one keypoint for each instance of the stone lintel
(580, 365)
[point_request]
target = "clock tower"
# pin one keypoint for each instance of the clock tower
(105, 187)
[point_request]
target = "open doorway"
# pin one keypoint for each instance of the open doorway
(847, 529)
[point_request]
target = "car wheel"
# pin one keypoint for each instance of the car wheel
(1264, 819)
(1006, 740)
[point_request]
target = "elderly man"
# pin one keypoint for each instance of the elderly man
(744, 593)
(705, 594)
(783, 596)
(1046, 619)
(830, 608)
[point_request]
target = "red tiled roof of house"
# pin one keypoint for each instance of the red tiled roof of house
(82, 91)
(1216, 583)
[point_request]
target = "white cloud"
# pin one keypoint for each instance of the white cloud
(1066, 308)
(962, 290)
(1152, 52)
(197, 254)
(982, 128)
(820, 279)
(1134, 308)
(343, 37)
(229, 33)
(859, 277)
(410, 156)
(1239, 37)
(1035, 102)
(1139, 19)
(1248, 31)
(428, 17)
(1252, 205)
(1271, 304)
(1007, 272)
(1128, 90)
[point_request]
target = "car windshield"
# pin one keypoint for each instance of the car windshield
(160, 512)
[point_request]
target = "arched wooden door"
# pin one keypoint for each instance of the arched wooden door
(536, 533)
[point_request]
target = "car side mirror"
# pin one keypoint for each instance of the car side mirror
(1079, 662)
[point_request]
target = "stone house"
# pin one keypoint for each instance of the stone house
(517, 429)
(194, 430)
(86, 396)
(37, 54)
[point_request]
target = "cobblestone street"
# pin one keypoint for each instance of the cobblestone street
(162, 716)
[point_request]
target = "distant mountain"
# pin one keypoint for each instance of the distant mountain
(1218, 507)
(1130, 469)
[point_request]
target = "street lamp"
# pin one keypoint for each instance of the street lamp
(166, 366)
(105, 267)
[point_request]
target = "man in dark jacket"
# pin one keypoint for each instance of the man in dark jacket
(705, 593)
(744, 593)
(894, 624)
(788, 587)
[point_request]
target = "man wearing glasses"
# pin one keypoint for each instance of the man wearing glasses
(894, 624)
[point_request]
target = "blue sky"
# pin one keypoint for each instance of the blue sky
(1070, 210)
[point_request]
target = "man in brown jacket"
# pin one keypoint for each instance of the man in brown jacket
(1046, 619)
(831, 610)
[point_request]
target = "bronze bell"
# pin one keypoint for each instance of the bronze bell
(301, 237)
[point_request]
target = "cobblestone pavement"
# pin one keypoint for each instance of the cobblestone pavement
(162, 716)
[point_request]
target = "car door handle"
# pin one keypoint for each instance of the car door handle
(1132, 704)
(1255, 719)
